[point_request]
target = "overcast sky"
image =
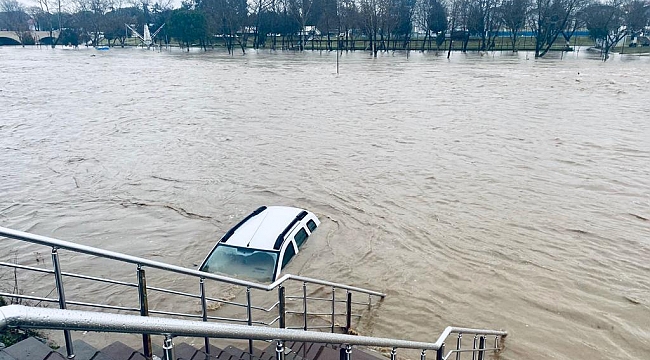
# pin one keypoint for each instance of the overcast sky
(30, 3)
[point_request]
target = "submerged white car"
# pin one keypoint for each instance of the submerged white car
(262, 244)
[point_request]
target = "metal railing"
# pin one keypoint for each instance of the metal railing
(74, 320)
(281, 305)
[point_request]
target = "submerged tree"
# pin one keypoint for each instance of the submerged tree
(514, 14)
(433, 19)
(187, 26)
(370, 15)
(549, 18)
(403, 20)
(607, 24)
(349, 20)
(637, 17)
(301, 12)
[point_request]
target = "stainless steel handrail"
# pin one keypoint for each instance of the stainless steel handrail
(75, 320)
(61, 244)
(141, 285)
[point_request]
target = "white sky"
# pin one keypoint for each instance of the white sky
(31, 3)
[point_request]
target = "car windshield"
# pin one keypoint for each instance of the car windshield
(254, 264)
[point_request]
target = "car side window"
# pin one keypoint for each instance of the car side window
(311, 225)
(300, 237)
(288, 254)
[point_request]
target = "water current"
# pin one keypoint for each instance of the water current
(493, 191)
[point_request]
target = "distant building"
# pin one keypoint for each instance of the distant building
(310, 30)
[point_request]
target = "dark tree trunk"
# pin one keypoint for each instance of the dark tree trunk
(426, 34)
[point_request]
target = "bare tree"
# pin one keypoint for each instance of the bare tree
(432, 17)
(349, 20)
(301, 11)
(90, 17)
(232, 18)
(370, 14)
(16, 19)
(461, 21)
(328, 20)
(483, 21)
(259, 9)
(637, 17)
(549, 18)
(46, 7)
(607, 24)
(514, 14)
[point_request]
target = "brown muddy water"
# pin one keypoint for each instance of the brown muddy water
(493, 191)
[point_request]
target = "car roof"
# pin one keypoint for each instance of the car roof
(261, 230)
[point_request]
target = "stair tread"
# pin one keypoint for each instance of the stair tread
(327, 353)
(186, 351)
(239, 353)
(363, 354)
(83, 351)
(98, 356)
(120, 351)
(28, 349)
(55, 356)
(33, 349)
(305, 350)
(156, 350)
(5, 356)
(319, 351)
(268, 353)
(215, 352)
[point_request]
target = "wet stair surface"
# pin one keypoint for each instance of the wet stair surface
(33, 349)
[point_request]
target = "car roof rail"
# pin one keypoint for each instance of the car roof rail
(227, 235)
(280, 239)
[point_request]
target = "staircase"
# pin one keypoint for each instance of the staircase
(33, 349)
(287, 321)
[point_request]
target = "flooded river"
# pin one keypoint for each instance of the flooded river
(492, 191)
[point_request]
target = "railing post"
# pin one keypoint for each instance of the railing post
(282, 307)
(440, 353)
(344, 353)
(423, 354)
(348, 312)
(333, 306)
(279, 350)
(481, 347)
(144, 311)
(458, 344)
(168, 348)
(304, 305)
(249, 311)
(58, 278)
(204, 313)
(393, 354)
(474, 347)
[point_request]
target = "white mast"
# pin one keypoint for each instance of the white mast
(147, 36)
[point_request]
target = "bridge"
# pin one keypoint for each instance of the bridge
(40, 37)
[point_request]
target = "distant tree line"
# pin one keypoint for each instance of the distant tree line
(380, 24)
